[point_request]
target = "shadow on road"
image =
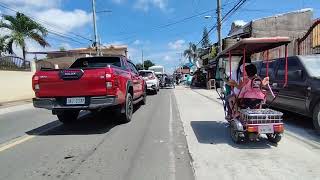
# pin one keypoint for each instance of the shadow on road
(87, 124)
(214, 132)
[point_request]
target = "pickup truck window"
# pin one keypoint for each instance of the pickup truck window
(145, 74)
(133, 68)
(312, 64)
(293, 67)
(96, 62)
(263, 72)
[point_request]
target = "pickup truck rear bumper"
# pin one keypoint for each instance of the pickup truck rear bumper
(93, 103)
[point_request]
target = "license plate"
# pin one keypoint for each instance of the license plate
(265, 129)
(77, 100)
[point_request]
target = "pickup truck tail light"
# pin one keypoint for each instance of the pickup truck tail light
(111, 83)
(35, 83)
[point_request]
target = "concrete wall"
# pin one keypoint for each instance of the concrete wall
(16, 85)
(293, 25)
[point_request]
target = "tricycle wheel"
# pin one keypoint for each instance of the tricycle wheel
(234, 134)
(274, 138)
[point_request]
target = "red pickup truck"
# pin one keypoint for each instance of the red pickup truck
(91, 83)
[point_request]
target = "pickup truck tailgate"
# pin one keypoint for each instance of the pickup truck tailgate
(72, 82)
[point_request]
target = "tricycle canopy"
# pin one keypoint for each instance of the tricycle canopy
(249, 46)
(254, 45)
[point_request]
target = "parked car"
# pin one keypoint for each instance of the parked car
(91, 83)
(302, 93)
(151, 80)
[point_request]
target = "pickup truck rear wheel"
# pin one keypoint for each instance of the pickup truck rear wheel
(126, 116)
(68, 116)
(316, 118)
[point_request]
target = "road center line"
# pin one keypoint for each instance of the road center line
(22, 139)
(172, 165)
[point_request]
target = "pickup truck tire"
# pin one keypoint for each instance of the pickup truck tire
(316, 118)
(126, 116)
(69, 116)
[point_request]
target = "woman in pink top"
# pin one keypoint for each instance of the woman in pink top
(251, 94)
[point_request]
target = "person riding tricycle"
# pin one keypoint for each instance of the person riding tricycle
(245, 113)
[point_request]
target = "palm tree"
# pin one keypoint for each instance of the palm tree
(23, 28)
(3, 45)
(191, 53)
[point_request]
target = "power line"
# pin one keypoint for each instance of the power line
(229, 13)
(43, 22)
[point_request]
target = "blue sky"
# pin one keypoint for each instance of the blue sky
(139, 23)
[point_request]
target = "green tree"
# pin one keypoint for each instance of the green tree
(147, 64)
(205, 39)
(191, 52)
(62, 49)
(23, 28)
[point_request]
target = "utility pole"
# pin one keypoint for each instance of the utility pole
(219, 25)
(142, 59)
(95, 43)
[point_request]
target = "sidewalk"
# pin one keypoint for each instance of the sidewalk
(13, 106)
(215, 156)
(15, 103)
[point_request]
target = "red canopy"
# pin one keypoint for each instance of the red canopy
(254, 45)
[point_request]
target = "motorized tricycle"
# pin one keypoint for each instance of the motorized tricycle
(249, 123)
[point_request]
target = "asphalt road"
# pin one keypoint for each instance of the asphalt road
(34, 145)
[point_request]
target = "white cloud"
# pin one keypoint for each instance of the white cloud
(177, 45)
(34, 4)
(146, 4)
(49, 14)
(64, 21)
(240, 22)
(114, 43)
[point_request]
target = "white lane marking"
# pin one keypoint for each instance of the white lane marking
(16, 108)
(24, 138)
(172, 165)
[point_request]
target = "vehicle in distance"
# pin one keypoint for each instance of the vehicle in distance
(158, 70)
(91, 83)
(151, 80)
(302, 93)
